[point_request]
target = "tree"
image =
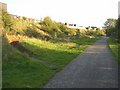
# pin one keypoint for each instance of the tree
(53, 28)
(6, 21)
(110, 24)
(47, 21)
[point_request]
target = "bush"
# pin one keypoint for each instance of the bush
(95, 32)
(31, 32)
(100, 32)
(53, 28)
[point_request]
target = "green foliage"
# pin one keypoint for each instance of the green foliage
(6, 21)
(113, 30)
(72, 32)
(47, 21)
(95, 32)
(20, 27)
(63, 28)
(53, 28)
(114, 46)
(90, 32)
(100, 32)
(23, 71)
(110, 25)
(32, 32)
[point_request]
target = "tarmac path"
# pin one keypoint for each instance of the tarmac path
(95, 68)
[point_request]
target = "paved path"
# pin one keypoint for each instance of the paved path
(95, 68)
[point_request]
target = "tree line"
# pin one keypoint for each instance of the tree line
(112, 27)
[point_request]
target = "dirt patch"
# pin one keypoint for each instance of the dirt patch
(17, 45)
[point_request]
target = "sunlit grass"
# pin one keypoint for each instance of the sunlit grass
(21, 70)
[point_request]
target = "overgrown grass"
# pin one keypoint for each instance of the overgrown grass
(114, 46)
(21, 70)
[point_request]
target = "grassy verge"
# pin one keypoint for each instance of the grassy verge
(21, 70)
(114, 46)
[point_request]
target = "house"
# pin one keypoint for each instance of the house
(74, 26)
(92, 28)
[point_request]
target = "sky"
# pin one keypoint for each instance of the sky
(80, 12)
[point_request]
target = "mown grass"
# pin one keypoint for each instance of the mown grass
(114, 46)
(21, 70)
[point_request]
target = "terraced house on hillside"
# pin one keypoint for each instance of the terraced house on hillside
(3, 6)
(31, 20)
(74, 26)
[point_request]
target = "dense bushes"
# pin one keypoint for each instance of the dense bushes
(92, 33)
(113, 28)
(53, 28)
(46, 29)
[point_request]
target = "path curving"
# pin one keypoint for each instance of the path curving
(95, 68)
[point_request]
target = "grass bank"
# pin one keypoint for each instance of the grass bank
(114, 46)
(21, 70)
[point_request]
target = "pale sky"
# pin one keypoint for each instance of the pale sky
(81, 12)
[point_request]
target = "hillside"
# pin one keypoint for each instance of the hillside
(33, 52)
(22, 70)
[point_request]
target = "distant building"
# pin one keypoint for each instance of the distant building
(92, 28)
(74, 26)
(26, 19)
(3, 6)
